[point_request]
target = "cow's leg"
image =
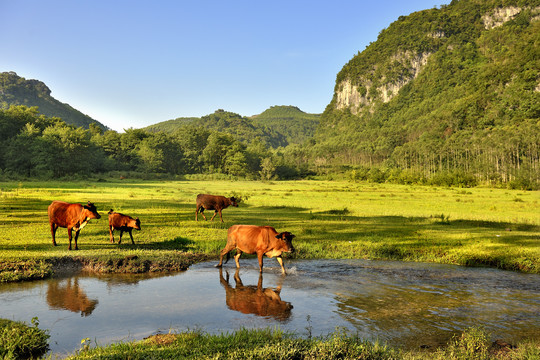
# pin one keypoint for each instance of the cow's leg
(120, 240)
(202, 213)
(76, 237)
(280, 261)
(260, 258)
(221, 217)
(215, 213)
(69, 236)
(53, 232)
(224, 252)
(197, 213)
(111, 229)
(237, 257)
(131, 236)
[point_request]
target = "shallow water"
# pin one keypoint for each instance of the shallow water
(403, 304)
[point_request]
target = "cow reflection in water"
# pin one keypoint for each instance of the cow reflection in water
(69, 296)
(251, 299)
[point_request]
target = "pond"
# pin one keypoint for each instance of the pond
(407, 305)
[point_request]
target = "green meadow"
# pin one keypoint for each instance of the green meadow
(331, 219)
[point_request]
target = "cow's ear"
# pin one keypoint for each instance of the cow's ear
(278, 236)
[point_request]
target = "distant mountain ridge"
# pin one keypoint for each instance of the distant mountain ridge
(276, 126)
(296, 125)
(16, 90)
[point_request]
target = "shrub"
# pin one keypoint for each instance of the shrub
(18, 340)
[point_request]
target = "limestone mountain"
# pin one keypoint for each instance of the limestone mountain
(16, 90)
(449, 88)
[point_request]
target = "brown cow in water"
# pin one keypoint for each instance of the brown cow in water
(260, 240)
(123, 223)
(250, 299)
(70, 216)
(213, 202)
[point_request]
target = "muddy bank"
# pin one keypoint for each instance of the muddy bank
(25, 270)
(134, 264)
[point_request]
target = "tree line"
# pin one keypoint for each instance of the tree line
(34, 145)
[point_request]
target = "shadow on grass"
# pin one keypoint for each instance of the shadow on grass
(178, 243)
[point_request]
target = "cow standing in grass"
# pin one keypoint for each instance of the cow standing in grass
(123, 223)
(213, 202)
(70, 216)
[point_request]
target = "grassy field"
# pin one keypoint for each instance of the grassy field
(331, 219)
(475, 227)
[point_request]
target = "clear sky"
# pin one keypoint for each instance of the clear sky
(132, 63)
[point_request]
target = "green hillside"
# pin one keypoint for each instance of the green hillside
(296, 125)
(169, 126)
(242, 128)
(276, 126)
(449, 89)
(16, 90)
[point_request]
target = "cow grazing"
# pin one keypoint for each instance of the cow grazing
(70, 216)
(260, 240)
(213, 202)
(123, 223)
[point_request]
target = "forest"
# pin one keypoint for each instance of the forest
(34, 145)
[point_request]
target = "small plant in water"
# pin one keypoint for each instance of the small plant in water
(85, 344)
(309, 327)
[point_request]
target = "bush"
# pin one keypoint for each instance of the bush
(18, 340)
(453, 178)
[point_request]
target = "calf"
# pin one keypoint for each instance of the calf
(123, 223)
(213, 202)
(70, 216)
(260, 240)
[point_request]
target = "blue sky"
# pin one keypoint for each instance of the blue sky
(135, 63)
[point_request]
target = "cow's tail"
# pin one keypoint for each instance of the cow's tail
(228, 257)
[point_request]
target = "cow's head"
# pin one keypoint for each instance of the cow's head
(91, 211)
(137, 224)
(286, 237)
(233, 201)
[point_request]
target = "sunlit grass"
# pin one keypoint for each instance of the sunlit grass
(479, 226)
(472, 344)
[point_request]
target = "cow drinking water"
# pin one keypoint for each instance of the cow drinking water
(123, 223)
(213, 202)
(260, 240)
(70, 216)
